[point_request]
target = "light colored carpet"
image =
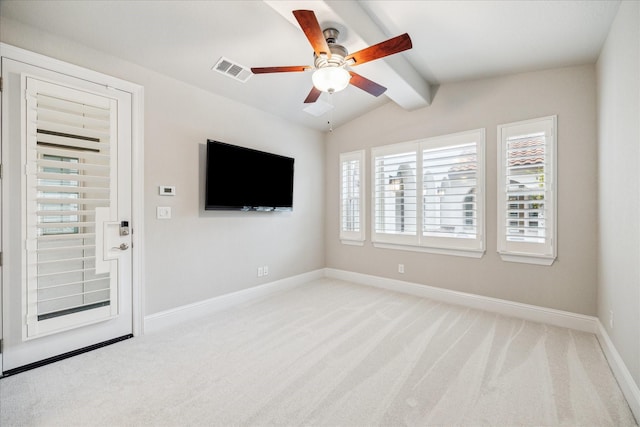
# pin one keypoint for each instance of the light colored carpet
(330, 353)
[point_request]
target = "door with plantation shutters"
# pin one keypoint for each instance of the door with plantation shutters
(69, 268)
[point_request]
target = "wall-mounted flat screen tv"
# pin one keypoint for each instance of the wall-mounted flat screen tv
(239, 178)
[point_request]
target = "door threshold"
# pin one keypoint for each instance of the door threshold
(63, 356)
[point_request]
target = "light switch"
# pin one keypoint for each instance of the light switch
(163, 212)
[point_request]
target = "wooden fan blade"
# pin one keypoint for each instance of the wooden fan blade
(309, 24)
(264, 70)
(366, 85)
(380, 50)
(313, 95)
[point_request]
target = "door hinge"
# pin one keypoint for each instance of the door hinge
(0, 259)
(0, 84)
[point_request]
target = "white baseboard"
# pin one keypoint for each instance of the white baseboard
(620, 371)
(533, 313)
(158, 321)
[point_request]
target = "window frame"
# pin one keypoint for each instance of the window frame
(419, 242)
(529, 252)
(350, 237)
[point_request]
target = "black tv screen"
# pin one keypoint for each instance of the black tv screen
(239, 178)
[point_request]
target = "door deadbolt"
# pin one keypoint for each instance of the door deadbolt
(124, 228)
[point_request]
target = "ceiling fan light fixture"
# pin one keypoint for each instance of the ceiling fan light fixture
(330, 59)
(331, 79)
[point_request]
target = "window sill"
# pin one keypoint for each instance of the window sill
(352, 242)
(527, 258)
(468, 253)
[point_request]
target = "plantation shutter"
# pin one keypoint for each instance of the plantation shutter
(525, 188)
(70, 174)
(450, 187)
(352, 197)
(436, 183)
(395, 193)
(527, 191)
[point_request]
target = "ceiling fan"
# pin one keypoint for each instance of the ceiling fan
(331, 60)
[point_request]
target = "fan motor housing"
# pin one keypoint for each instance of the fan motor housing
(338, 52)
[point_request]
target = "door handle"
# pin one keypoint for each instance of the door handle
(122, 247)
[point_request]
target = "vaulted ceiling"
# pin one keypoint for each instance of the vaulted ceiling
(452, 41)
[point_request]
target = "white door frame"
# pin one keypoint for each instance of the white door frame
(137, 173)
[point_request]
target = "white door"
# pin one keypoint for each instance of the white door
(66, 204)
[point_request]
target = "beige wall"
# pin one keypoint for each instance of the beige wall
(619, 181)
(197, 254)
(570, 283)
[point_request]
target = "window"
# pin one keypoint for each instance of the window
(58, 200)
(527, 191)
(352, 198)
(429, 195)
(395, 196)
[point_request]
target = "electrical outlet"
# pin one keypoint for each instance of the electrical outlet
(611, 319)
(265, 270)
(260, 272)
(401, 268)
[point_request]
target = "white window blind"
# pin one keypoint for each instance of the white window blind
(352, 230)
(395, 193)
(438, 183)
(68, 176)
(450, 188)
(453, 193)
(526, 193)
(525, 188)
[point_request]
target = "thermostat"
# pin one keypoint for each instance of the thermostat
(167, 190)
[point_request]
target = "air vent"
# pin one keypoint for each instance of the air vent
(232, 69)
(318, 108)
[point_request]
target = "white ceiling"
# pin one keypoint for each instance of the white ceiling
(452, 41)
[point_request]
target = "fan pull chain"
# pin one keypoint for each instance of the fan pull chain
(330, 121)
